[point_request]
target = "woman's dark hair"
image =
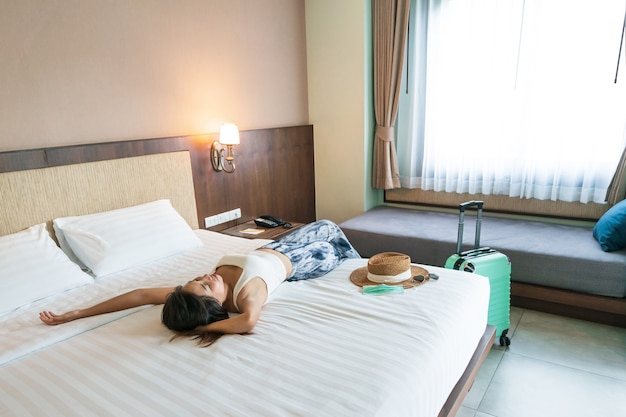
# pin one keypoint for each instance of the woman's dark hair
(183, 312)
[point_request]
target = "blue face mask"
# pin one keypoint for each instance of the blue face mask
(382, 289)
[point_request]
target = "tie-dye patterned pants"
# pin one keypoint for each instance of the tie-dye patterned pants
(314, 249)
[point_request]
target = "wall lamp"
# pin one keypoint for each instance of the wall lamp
(222, 158)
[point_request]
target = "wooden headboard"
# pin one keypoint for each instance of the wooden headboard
(274, 175)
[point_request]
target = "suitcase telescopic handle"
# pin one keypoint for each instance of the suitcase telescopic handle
(479, 217)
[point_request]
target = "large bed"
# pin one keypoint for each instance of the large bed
(321, 347)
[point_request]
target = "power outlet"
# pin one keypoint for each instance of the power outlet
(222, 218)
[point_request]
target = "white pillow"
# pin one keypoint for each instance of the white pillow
(33, 267)
(115, 240)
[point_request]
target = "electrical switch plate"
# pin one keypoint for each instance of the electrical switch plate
(211, 221)
(222, 218)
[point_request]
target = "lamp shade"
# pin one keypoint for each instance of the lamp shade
(229, 134)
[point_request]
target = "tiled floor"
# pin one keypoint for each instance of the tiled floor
(555, 367)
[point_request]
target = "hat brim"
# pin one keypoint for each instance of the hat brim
(359, 277)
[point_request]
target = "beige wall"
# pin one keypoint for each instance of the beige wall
(339, 77)
(81, 71)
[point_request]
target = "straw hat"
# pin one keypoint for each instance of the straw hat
(391, 268)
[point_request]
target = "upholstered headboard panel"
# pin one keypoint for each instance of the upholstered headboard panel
(40, 195)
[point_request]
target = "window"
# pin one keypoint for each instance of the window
(513, 98)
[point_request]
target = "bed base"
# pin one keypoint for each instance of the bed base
(462, 387)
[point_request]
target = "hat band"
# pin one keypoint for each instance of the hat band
(386, 279)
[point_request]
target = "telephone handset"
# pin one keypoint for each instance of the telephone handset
(271, 222)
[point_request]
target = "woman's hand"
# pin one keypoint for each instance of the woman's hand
(52, 319)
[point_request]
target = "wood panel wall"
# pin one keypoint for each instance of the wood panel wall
(274, 173)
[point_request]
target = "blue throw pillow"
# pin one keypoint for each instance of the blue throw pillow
(610, 231)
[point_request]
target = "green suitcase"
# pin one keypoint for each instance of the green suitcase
(490, 263)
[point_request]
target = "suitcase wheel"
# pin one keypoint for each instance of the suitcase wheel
(504, 339)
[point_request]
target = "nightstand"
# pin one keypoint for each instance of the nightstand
(273, 233)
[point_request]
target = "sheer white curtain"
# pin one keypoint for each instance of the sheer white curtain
(513, 97)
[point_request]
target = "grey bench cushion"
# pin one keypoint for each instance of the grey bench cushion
(553, 255)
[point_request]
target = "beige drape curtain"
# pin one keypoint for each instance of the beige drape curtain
(390, 25)
(617, 189)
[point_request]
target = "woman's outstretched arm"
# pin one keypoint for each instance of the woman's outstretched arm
(135, 298)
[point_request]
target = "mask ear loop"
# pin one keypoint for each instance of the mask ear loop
(621, 43)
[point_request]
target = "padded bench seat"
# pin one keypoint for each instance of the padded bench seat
(545, 254)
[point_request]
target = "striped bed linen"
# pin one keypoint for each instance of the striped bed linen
(320, 348)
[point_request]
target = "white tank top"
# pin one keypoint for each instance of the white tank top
(259, 264)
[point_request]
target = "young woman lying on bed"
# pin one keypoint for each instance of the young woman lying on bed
(240, 284)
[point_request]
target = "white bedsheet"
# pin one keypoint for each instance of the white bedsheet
(320, 348)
